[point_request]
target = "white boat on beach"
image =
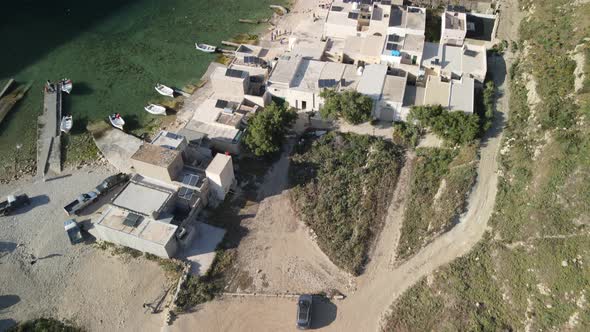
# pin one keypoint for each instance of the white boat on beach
(155, 109)
(117, 121)
(66, 124)
(164, 90)
(66, 85)
(205, 47)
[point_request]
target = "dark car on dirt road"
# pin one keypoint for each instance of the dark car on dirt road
(12, 203)
(111, 182)
(304, 311)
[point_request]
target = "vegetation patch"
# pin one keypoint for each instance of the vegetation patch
(354, 107)
(407, 134)
(343, 184)
(78, 149)
(440, 184)
(454, 127)
(530, 271)
(267, 129)
(44, 325)
(197, 290)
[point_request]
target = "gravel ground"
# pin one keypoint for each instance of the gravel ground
(41, 274)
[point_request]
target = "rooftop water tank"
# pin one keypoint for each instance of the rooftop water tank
(359, 70)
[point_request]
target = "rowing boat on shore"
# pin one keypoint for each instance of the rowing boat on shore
(205, 47)
(66, 124)
(164, 90)
(155, 109)
(66, 85)
(116, 121)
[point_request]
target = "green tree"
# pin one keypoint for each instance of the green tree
(267, 129)
(352, 106)
(455, 127)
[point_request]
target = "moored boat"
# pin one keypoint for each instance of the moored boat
(205, 47)
(155, 109)
(117, 121)
(66, 123)
(66, 85)
(164, 90)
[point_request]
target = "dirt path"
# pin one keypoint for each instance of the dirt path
(382, 283)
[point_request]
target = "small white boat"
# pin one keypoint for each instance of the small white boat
(164, 90)
(66, 123)
(205, 47)
(117, 121)
(66, 85)
(155, 109)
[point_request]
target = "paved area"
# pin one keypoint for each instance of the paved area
(42, 274)
(202, 240)
(117, 147)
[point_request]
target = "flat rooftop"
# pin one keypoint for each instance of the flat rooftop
(372, 81)
(144, 228)
(364, 46)
(413, 18)
(142, 199)
(168, 140)
(455, 21)
(155, 155)
(394, 88)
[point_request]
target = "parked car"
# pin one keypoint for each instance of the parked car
(81, 202)
(304, 311)
(12, 203)
(73, 231)
(111, 182)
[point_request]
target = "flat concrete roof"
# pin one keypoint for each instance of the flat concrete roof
(252, 50)
(147, 229)
(307, 75)
(364, 46)
(462, 95)
(413, 43)
(168, 139)
(408, 18)
(455, 21)
(371, 83)
(394, 88)
(142, 199)
(285, 69)
(467, 59)
(437, 92)
(155, 155)
(218, 164)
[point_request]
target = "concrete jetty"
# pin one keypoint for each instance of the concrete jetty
(6, 86)
(49, 137)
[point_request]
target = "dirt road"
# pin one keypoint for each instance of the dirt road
(383, 282)
(45, 276)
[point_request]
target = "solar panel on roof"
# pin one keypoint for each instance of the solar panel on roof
(391, 46)
(234, 73)
(221, 103)
(186, 193)
(393, 38)
(353, 15)
(172, 135)
(132, 220)
(190, 179)
(326, 83)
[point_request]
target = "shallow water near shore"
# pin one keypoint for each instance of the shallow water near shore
(114, 51)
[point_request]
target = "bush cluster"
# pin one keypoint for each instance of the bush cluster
(455, 127)
(354, 107)
(267, 129)
(342, 187)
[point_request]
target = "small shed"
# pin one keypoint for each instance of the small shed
(220, 173)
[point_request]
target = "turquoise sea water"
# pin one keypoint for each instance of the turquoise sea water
(114, 51)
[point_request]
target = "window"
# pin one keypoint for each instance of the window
(303, 105)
